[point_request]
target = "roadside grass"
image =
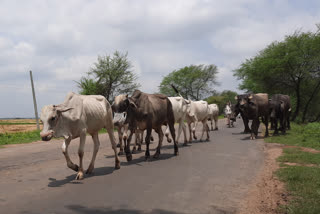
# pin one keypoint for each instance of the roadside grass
(299, 135)
(19, 137)
(302, 181)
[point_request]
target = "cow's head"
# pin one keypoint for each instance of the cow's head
(122, 103)
(244, 101)
(50, 116)
(275, 107)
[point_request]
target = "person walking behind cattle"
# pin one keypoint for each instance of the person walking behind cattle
(76, 116)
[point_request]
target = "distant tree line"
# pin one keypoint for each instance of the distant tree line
(291, 67)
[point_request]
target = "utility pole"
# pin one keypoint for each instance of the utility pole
(34, 101)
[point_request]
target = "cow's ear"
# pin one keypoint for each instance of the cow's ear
(60, 108)
(132, 104)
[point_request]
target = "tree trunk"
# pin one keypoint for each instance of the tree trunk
(295, 114)
(309, 101)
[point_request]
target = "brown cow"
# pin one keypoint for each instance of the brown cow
(146, 112)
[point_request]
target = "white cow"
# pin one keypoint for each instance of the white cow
(213, 115)
(198, 112)
(179, 107)
(76, 116)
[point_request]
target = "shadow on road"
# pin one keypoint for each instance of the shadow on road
(71, 178)
(109, 210)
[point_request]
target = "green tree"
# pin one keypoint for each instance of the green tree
(289, 67)
(110, 76)
(194, 81)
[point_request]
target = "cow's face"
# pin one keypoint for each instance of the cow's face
(275, 107)
(50, 116)
(120, 104)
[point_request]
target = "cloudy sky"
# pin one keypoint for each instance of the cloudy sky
(60, 40)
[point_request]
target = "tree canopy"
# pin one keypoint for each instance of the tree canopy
(110, 76)
(292, 67)
(194, 82)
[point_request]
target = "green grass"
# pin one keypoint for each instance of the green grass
(300, 135)
(19, 137)
(295, 155)
(8, 123)
(302, 182)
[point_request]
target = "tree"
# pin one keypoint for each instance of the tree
(110, 76)
(288, 67)
(194, 81)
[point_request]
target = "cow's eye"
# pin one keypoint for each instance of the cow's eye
(53, 118)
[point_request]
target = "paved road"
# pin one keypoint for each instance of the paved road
(207, 177)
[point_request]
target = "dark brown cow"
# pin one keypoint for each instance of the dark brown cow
(280, 108)
(254, 106)
(146, 112)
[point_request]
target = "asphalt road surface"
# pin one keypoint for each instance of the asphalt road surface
(206, 177)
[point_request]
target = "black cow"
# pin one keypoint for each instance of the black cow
(280, 109)
(237, 111)
(254, 106)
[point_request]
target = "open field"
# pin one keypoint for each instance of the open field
(18, 125)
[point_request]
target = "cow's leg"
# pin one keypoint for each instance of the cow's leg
(205, 127)
(184, 133)
(266, 123)
(254, 128)
(190, 132)
(173, 134)
(160, 134)
(167, 134)
(96, 145)
(179, 129)
(127, 146)
(81, 153)
(228, 120)
(120, 135)
(148, 136)
(65, 146)
(109, 128)
(275, 126)
(246, 124)
(194, 130)
(211, 121)
(216, 122)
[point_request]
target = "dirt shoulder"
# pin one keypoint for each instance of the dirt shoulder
(267, 192)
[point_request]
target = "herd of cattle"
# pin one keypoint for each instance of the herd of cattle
(82, 114)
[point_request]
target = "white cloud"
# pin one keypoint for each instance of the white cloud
(59, 41)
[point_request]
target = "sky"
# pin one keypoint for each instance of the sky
(61, 40)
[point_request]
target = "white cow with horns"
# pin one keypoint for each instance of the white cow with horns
(76, 116)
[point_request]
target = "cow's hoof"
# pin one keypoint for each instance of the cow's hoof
(176, 153)
(118, 145)
(185, 144)
(211, 129)
(117, 165)
(207, 139)
(90, 169)
(195, 137)
(75, 167)
(129, 157)
(169, 140)
(156, 155)
(216, 129)
(139, 148)
(252, 138)
(200, 140)
(121, 153)
(134, 150)
(79, 176)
